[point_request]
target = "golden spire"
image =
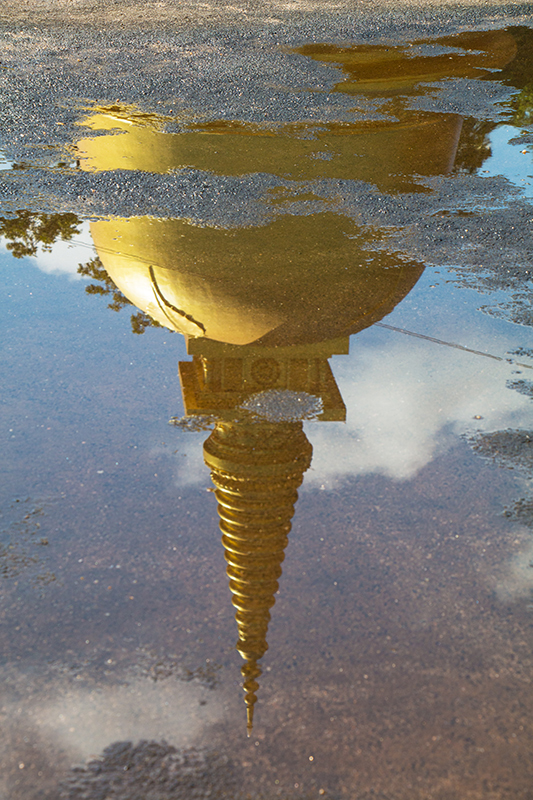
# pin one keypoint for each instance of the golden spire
(257, 468)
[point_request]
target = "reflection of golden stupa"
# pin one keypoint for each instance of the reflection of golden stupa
(264, 307)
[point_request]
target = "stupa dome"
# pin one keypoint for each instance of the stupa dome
(297, 280)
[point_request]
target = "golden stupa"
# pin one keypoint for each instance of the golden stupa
(263, 307)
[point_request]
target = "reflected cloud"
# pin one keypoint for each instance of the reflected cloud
(84, 721)
(188, 461)
(124, 768)
(406, 404)
(517, 583)
(65, 256)
(67, 724)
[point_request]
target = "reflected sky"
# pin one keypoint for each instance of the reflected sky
(65, 256)
(510, 158)
(401, 623)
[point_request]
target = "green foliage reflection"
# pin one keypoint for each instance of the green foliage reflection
(28, 230)
(106, 287)
(519, 74)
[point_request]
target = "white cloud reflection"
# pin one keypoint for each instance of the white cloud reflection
(517, 581)
(407, 403)
(64, 257)
(50, 724)
(88, 720)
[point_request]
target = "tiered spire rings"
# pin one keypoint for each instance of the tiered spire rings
(257, 468)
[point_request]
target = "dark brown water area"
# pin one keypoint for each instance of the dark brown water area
(312, 257)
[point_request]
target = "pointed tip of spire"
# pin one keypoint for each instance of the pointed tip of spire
(249, 720)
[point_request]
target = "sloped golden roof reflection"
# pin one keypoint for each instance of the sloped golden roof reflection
(385, 151)
(264, 306)
(301, 276)
(418, 143)
(390, 69)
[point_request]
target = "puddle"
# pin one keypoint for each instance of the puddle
(510, 158)
(317, 258)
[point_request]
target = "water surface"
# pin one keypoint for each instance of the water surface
(323, 282)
